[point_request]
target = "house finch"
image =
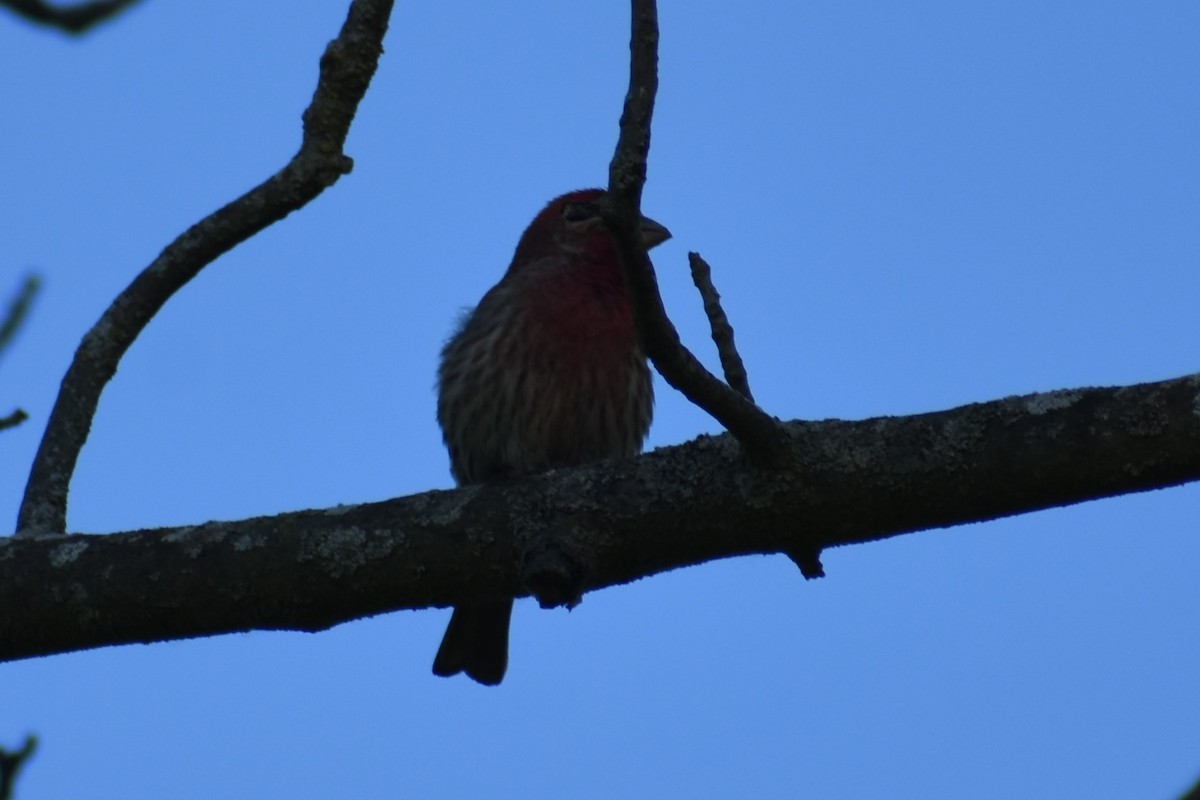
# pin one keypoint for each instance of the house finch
(545, 372)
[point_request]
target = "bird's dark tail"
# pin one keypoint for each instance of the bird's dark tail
(476, 642)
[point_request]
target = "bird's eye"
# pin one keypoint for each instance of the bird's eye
(579, 213)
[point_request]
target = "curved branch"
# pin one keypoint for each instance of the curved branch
(762, 435)
(346, 69)
(71, 19)
(619, 521)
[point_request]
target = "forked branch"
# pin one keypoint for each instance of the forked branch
(763, 436)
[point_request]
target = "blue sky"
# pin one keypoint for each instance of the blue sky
(907, 206)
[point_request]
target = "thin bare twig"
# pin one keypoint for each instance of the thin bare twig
(762, 436)
(18, 310)
(722, 331)
(14, 318)
(14, 419)
(807, 558)
(347, 66)
(71, 19)
(11, 763)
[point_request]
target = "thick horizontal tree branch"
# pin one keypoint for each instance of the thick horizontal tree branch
(346, 69)
(615, 521)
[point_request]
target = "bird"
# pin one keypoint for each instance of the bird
(545, 372)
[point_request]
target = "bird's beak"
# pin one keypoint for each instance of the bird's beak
(653, 234)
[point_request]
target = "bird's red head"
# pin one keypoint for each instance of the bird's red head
(572, 224)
